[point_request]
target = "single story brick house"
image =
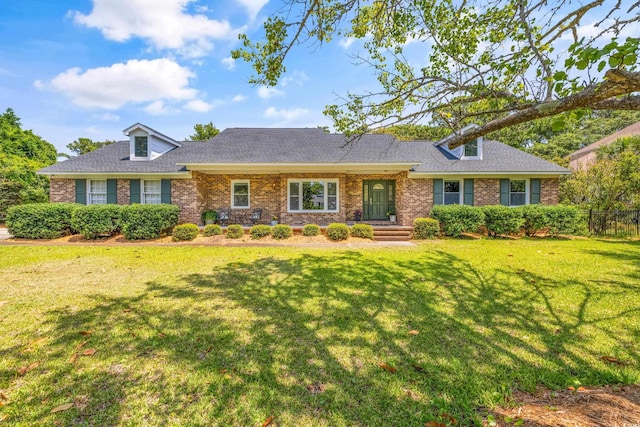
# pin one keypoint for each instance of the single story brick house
(303, 175)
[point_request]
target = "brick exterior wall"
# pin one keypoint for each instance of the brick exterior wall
(62, 190)
(414, 197)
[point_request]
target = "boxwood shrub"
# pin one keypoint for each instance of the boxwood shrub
(534, 219)
(40, 220)
(362, 230)
(235, 231)
(311, 230)
(281, 232)
(93, 221)
(185, 232)
(499, 219)
(562, 219)
(259, 231)
(457, 219)
(425, 228)
(337, 231)
(148, 221)
(212, 230)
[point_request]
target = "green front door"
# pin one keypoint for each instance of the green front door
(377, 198)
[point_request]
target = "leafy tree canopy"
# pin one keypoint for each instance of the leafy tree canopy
(203, 132)
(86, 145)
(498, 63)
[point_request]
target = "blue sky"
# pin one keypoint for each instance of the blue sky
(91, 68)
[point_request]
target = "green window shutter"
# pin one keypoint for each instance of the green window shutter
(165, 196)
(504, 192)
(81, 191)
(468, 192)
(134, 191)
(438, 191)
(534, 191)
(112, 191)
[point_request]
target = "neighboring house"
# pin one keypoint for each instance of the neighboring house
(588, 155)
(303, 175)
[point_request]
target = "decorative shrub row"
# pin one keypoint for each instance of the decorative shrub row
(185, 232)
(212, 230)
(259, 231)
(337, 231)
(497, 219)
(281, 232)
(362, 230)
(235, 231)
(426, 228)
(53, 220)
(311, 230)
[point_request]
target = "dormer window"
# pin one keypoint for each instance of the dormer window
(141, 147)
(471, 149)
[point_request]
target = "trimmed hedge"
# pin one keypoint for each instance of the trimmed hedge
(499, 219)
(212, 230)
(457, 219)
(281, 232)
(93, 221)
(562, 219)
(337, 231)
(40, 220)
(534, 219)
(425, 228)
(148, 221)
(362, 230)
(185, 232)
(311, 230)
(259, 231)
(235, 231)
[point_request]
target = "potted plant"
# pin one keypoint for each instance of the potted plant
(274, 220)
(358, 214)
(209, 216)
(392, 215)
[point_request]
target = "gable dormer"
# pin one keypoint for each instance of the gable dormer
(147, 144)
(470, 151)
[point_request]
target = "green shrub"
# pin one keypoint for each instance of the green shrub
(311, 230)
(185, 232)
(40, 220)
(235, 231)
(93, 221)
(457, 219)
(148, 221)
(259, 231)
(212, 230)
(337, 231)
(562, 219)
(534, 219)
(425, 228)
(362, 230)
(499, 219)
(281, 232)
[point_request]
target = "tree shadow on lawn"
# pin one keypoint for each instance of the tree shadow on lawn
(302, 338)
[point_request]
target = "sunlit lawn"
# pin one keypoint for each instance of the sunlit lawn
(234, 336)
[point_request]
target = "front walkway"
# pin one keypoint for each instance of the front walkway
(4, 234)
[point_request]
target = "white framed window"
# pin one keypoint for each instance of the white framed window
(97, 192)
(451, 192)
(141, 146)
(517, 192)
(151, 192)
(240, 193)
(473, 150)
(318, 195)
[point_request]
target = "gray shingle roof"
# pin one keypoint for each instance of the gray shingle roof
(305, 146)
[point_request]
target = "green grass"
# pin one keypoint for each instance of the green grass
(232, 336)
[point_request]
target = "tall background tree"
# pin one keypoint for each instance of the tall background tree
(85, 145)
(496, 63)
(203, 132)
(22, 153)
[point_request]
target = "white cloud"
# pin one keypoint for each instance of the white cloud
(266, 92)
(253, 6)
(136, 81)
(285, 115)
(229, 63)
(296, 78)
(107, 117)
(156, 108)
(163, 24)
(198, 106)
(346, 42)
(238, 98)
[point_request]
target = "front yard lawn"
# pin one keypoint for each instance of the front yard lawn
(143, 335)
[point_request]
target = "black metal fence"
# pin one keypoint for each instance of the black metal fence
(615, 223)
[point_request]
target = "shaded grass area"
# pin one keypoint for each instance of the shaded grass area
(233, 336)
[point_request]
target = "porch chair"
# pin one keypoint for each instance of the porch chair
(256, 215)
(223, 216)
